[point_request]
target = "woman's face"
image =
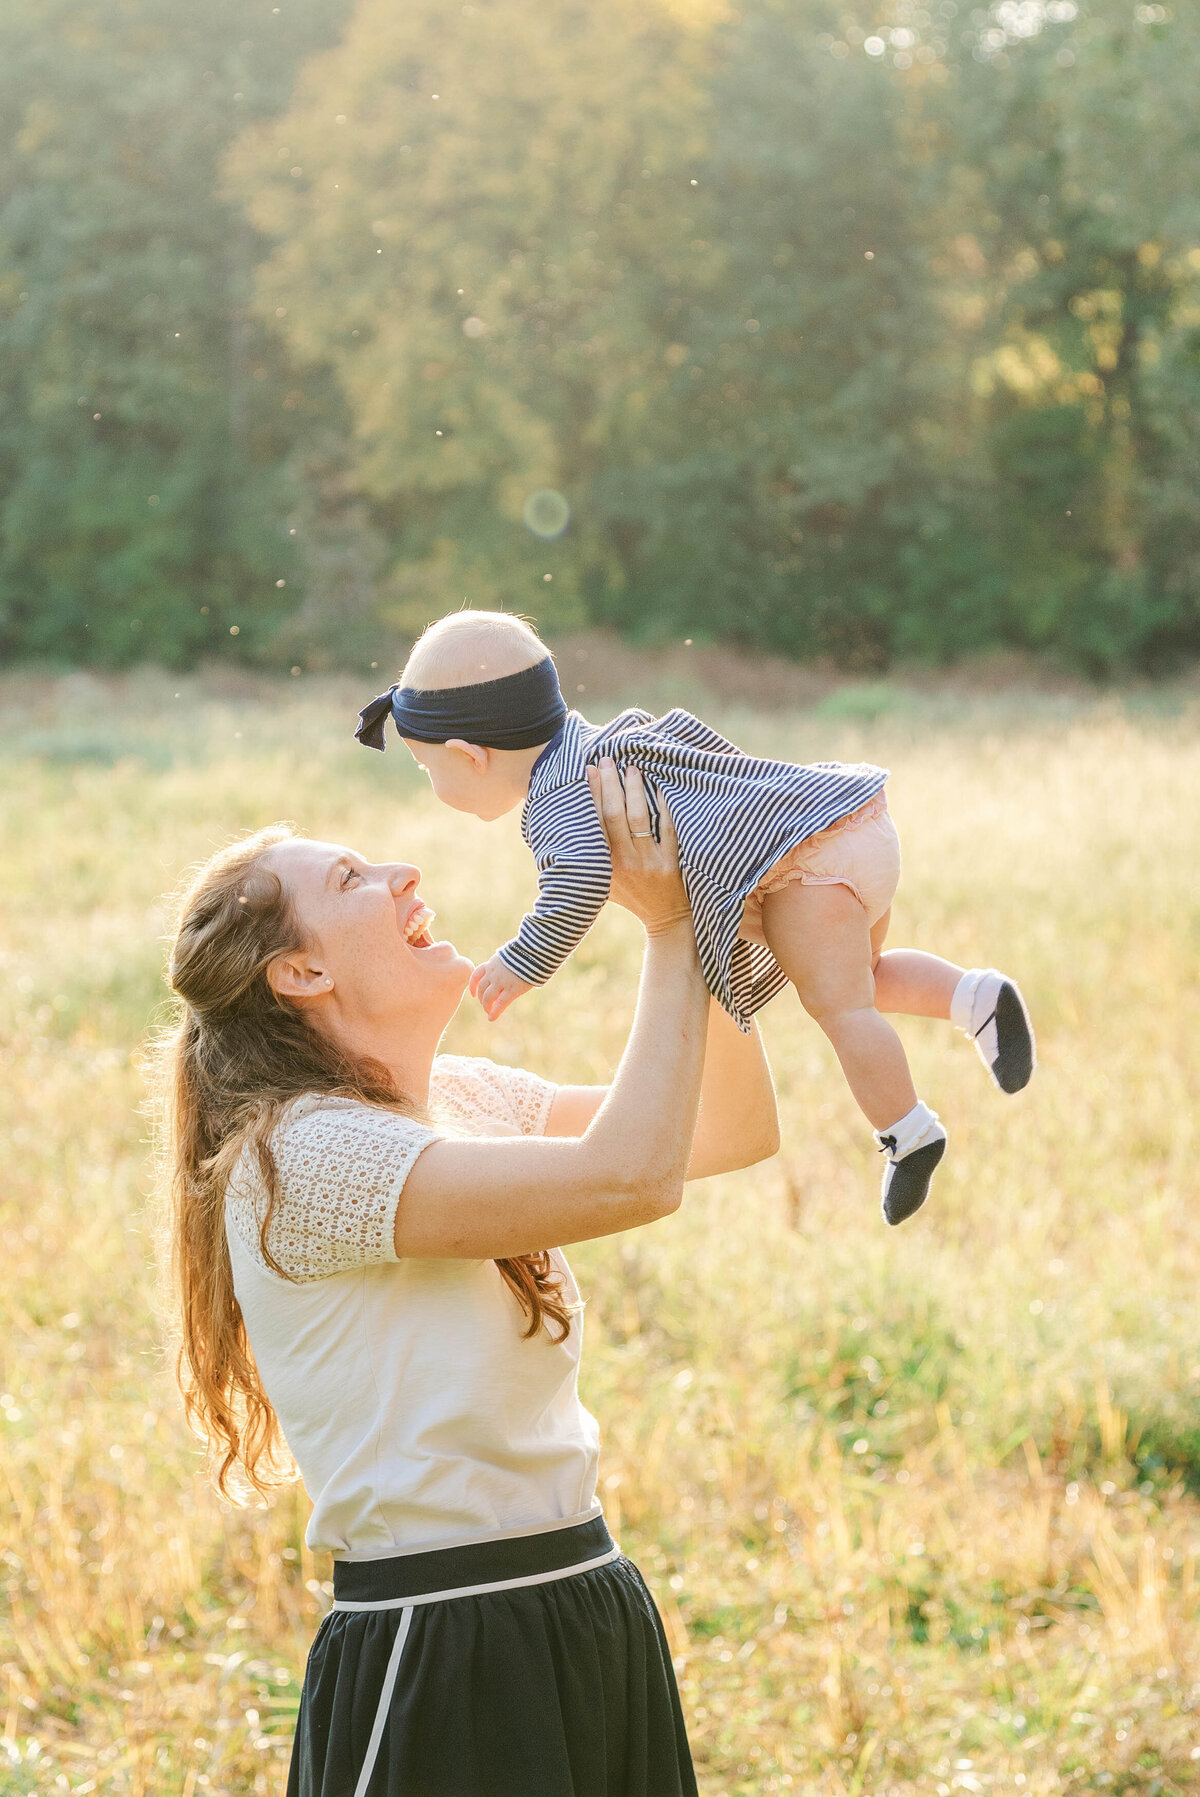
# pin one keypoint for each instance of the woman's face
(368, 941)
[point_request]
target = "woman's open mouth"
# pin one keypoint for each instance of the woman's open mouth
(416, 926)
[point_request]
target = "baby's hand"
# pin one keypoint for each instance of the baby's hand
(495, 986)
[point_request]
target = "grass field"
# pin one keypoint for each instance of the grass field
(922, 1507)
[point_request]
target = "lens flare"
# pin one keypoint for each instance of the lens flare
(546, 513)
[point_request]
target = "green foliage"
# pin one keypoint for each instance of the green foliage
(144, 486)
(480, 218)
(807, 411)
(1083, 151)
(846, 330)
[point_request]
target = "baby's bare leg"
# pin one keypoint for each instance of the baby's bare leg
(983, 1003)
(909, 981)
(819, 936)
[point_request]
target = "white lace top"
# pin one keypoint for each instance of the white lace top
(417, 1415)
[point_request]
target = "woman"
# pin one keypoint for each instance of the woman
(365, 1241)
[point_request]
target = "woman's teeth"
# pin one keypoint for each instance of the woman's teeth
(416, 930)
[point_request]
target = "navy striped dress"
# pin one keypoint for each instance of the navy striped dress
(735, 816)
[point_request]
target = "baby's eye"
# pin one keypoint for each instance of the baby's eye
(351, 873)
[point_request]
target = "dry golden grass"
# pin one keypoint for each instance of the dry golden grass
(918, 1505)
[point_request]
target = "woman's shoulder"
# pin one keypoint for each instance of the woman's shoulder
(339, 1167)
(317, 1119)
(473, 1093)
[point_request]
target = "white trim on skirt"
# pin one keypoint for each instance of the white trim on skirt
(438, 1597)
(406, 1606)
(385, 1699)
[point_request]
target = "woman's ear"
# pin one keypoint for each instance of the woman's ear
(294, 977)
(480, 759)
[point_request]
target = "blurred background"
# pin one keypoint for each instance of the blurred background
(861, 332)
(833, 370)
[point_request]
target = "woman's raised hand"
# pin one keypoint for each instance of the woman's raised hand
(645, 871)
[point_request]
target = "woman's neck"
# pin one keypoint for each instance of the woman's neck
(407, 1053)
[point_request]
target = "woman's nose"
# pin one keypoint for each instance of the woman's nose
(404, 878)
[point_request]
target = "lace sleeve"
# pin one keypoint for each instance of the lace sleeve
(342, 1167)
(472, 1093)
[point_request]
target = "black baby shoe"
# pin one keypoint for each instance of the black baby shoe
(906, 1178)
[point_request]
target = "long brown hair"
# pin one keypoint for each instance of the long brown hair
(235, 1058)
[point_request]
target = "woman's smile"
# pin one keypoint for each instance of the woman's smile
(415, 926)
(414, 917)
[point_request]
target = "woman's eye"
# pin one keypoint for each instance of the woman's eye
(351, 873)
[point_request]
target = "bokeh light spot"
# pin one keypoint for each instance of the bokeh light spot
(546, 513)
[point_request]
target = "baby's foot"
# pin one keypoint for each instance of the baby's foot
(989, 1008)
(914, 1146)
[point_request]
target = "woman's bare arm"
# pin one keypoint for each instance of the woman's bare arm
(490, 1198)
(739, 1120)
(738, 1123)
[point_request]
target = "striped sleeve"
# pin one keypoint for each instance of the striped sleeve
(574, 875)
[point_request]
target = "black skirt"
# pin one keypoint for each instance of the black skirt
(535, 1667)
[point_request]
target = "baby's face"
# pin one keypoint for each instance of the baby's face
(460, 782)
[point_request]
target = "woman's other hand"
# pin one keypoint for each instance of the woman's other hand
(645, 871)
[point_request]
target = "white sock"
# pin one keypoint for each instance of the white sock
(974, 998)
(920, 1126)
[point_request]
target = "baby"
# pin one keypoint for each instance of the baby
(790, 870)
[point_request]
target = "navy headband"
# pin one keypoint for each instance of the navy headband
(519, 711)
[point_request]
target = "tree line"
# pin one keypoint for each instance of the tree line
(866, 330)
